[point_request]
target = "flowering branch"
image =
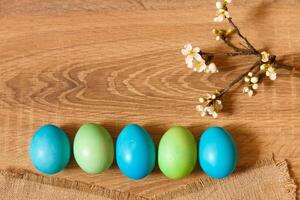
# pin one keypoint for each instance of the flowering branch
(200, 61)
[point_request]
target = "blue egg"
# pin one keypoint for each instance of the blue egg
(135, 152)
(50, 149)
(217, 152)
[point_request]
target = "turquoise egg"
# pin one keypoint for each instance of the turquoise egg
(135, 152)
(50, 149)
(217, 152)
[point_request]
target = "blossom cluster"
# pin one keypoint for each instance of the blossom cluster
(252, 84)
(222, 11)
(210, 105)
(268, 66)
(195, 61)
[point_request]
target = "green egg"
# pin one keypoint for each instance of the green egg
(93, 148)
(177, 152)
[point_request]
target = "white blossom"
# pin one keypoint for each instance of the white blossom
(194, 60)
(265, 56)
(191, 53)
(254, 79)
(255, 86)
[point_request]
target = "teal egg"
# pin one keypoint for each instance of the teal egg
(135, 152)
(50, 149)
(217, 152)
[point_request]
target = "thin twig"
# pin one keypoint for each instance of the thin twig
(226, 53)
(239, 78)
(283, 66)
(235, 48)
(236, 29)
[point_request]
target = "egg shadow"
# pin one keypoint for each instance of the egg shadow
(246, 142)
(71, 130)
(247, 146)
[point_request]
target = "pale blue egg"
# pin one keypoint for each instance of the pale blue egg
(217, 152)
(135, 152)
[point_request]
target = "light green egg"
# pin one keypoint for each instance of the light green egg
(177, 152)
(93, 148)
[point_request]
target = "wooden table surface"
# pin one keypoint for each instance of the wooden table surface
(118, 62)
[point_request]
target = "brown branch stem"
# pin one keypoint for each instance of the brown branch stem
(239, 78)
(226, 53)
(235, 48)
(236, 29)
(283, 66)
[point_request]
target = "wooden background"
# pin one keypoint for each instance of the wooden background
(115, 62)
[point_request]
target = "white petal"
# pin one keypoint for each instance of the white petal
(201, 100)
(218, 105)
(246, 89)
(199, 108)
(190, 65)
(226, 14)
(219, 5)
(273, 76)
(202, 68)
(198, 57)
(263, 67)
(196, 50)
(212, 68)
(189, 59)
(184, 52)
(264, 56)
(255, 86)
(188, 47)
(271, 69)
(215, 115)
(228, 1)
(254, 79)
(209, 110)
(250, 92)
(219, 18)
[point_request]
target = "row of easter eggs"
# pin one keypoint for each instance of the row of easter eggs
(135, 151)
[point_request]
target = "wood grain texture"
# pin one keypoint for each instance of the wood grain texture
(118, 62)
